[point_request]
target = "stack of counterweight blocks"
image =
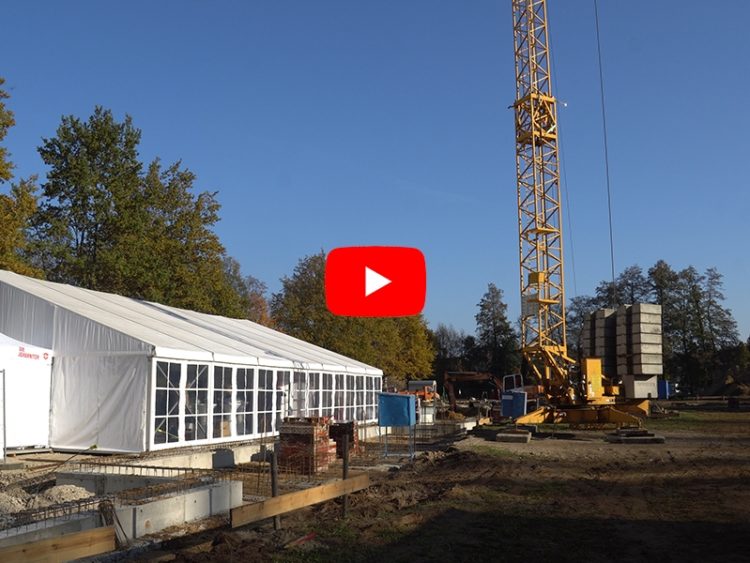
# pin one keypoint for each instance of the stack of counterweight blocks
(599, 339)
(628, 341)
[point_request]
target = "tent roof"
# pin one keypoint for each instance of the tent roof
(182, 334)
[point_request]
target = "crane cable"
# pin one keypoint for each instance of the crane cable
(606, 155)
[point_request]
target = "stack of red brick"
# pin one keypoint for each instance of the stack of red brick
(305, 445)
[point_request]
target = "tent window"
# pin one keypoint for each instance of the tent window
(265, 401)
(245, 414)
(167, 420)
(349, 397)
(222, 402)
(299, 394)
(360, 397)
(314, 394)
(370, 398)
(196, 402)
(282, 395)
(327, 394)
(338, 397)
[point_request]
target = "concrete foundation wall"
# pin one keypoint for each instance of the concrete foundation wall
(49, 529)
(149, 518)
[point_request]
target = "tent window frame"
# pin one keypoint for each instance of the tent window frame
(167, 391)
(244, 403)
(266, 412)
(222, 407)
(196, 406)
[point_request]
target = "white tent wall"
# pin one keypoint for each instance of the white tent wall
(99, 402)
(100, 386)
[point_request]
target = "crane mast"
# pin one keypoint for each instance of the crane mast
(543, 338)
(575, 394)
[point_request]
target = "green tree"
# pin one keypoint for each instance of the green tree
(181, 261)
(251, 290)
(720, 325)
(6, 122)
(630, 286)
(663, 281)
(401, 347)
(92, 181)
(105, 224)
(16, 210)
(495, 335)
(448, 344)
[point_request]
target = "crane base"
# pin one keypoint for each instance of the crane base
(586, 416)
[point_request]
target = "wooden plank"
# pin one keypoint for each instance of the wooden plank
(256, 511)
(63, 548)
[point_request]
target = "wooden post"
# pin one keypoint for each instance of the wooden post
(345, 505)
(275, 486)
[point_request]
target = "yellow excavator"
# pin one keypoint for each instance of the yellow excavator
(578, 394)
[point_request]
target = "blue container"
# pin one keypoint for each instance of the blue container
(663, 389)
(519, 403)
(506, 405)
(395, 409)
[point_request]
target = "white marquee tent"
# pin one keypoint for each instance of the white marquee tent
(24, 408)
(132, 376)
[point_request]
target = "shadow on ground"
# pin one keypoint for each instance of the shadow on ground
(466, 535)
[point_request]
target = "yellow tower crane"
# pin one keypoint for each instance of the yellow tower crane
(579, 395)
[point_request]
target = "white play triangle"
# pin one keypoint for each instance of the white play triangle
(374, 281)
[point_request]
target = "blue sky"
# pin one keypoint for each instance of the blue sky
(335, 123)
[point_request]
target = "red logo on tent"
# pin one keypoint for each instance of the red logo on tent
(375, 281)
(46, 355)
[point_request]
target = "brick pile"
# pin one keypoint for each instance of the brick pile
(305, 445)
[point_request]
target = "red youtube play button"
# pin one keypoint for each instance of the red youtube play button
(375, 281)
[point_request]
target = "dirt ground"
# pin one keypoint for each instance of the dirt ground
(575, 499)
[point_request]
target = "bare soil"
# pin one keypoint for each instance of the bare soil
(575, 499)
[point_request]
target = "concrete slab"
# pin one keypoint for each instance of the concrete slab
(638, 348)
(646, 338)
(646, 308)
(643, 359)
(648, 369)
(646, 329)
(514, 437)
